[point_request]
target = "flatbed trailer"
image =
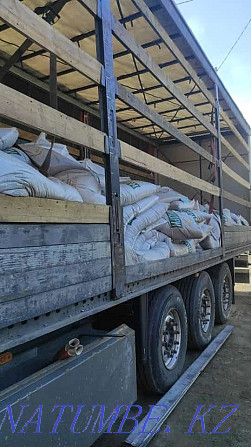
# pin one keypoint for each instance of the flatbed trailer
(134, 90)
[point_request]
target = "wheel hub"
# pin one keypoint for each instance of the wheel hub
(226, 294)
(171, 339)
(205, 310)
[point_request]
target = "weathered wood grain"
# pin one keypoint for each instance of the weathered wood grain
(15, 285)
(20, 108)
(132, 155)
(34, 305)
(154, 268)
(32, 209)
(23, 19)
(36, 235)
(33, 258)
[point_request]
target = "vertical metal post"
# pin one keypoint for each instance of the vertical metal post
(107, 92)
(201, 192)
(249, 145)
(53, 81)
(220, 176)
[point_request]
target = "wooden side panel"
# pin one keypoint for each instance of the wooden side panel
(40, 210)
(26, 235)
(47, 267)
(236, 237)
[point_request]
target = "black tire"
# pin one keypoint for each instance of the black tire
(185, 286)
(200, 323)
(223, 289)
(154, 375)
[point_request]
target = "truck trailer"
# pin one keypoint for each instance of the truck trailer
(125, 84)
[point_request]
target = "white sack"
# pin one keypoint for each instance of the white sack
(236, 219)
(61, 160)
(227, 219)
(131, 192)
(182, 227)
(179, 205)
(148, 247)
(143, 221)
(182, 249)
(97, 171)
(214, 238)
(15, 152)
(131, 211)
(85, 183)
(8, 137)
(198, 216)
(19, 179)
(168, 195)
(243, 221)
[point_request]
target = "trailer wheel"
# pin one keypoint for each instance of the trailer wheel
(167, 341)
(223, 289)
(201, 312)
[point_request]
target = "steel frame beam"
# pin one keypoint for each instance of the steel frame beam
(107, 90)
(15, 58)
(220, 169)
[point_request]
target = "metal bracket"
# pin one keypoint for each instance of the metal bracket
(116, 144)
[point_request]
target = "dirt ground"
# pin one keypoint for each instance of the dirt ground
(225, 381)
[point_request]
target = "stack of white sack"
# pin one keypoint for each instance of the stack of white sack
(183, 226)
(18, 178)
(99, 173)
(142, 242)
(229, 218)
(68, 180)
(213, 240)
(153, 231)
(65, 169)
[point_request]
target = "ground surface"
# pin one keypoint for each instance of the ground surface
(225, 381)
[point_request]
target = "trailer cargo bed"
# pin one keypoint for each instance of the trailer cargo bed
(131, 87)
(53, 274)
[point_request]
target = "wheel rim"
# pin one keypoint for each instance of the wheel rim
(171, 339)
(205, 310)
(226, 294)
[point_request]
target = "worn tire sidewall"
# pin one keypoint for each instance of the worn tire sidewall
(199, 338)
(221, 315)
(164, 377)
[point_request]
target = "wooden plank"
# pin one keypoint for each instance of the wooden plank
(41, 303)
(233, 198)
(234, 129)
(234, 152)
(150, 269)
(125, 95)
(170, 44)
(238, 229)
(237, 237)
(235, 176)
(23, 283)
(132, 155)
(35, 258)
(77, 101)
(129, 42)
(31, 209)
(20, 236)
(27, 111)
(25, 21)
